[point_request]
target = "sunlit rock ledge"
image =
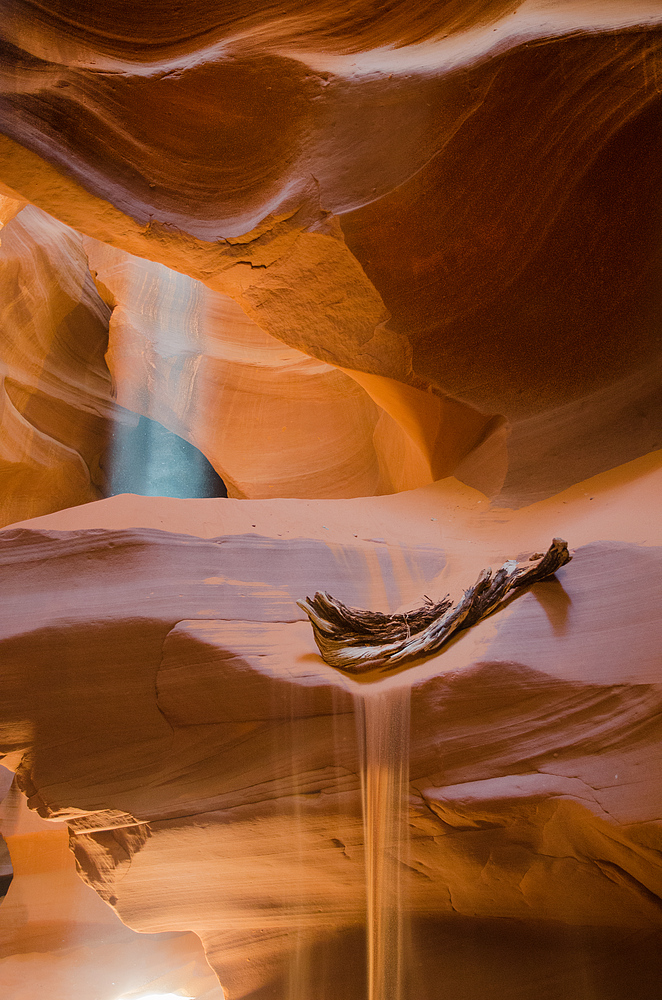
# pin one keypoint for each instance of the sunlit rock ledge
(218, 789)
(329, 258)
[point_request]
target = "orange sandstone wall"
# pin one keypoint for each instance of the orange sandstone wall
(348, 254)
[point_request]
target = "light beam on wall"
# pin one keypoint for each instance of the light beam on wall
(149, 460)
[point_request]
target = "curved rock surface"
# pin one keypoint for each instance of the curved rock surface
(228, 749)
(57, 938)
(429, 237)
(384, 196)
(56, 393)
(82, 361)
(272, 421)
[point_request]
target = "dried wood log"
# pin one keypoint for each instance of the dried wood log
(358, 641)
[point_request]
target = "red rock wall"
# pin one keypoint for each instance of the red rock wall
(347, 253)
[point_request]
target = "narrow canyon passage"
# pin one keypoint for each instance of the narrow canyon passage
(361, 301)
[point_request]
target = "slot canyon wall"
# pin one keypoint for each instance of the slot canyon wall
(361, 299)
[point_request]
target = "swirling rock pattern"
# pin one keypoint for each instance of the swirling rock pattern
(407, 185)
(83, 356)
(56, 399)
(272, 421)
(432, 230)
(66, 936)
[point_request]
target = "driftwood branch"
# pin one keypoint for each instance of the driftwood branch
(358, 641)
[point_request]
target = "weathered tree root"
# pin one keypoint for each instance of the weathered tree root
(358, 641)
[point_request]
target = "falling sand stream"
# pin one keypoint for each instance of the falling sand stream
(358, 643)
(382, 714)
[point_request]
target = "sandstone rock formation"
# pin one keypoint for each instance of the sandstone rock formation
(346, 253)
(83, 358)
(226, 754)
(273, 421)
(56, 392)
(58, 938)
(447, 214)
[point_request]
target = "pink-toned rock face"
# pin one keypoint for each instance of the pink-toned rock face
(218, 790)
(346, 253)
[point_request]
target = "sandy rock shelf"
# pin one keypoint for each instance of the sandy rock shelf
(230, 802)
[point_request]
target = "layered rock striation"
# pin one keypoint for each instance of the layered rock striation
(439, 209)
(346, 254)
(219, 789)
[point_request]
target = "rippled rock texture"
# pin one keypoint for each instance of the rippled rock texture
(437, 207)
(56, 390)
(344, 253)
(219, 791)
